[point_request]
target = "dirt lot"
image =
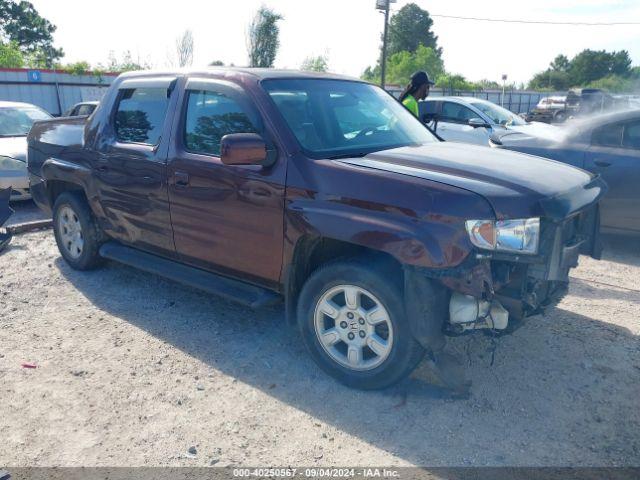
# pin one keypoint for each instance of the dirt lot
(134, 370)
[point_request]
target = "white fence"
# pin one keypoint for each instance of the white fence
(53, 91)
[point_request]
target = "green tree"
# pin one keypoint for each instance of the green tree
(485, 84)
(124, 64)
(455, 82)
(11, 56)
(319, 63)
(263, 38)
(584, 69)
(410, 28)
(21, 23)
(217, 63)
(402, 65)
(560, 64)
(77, 68)
(550, 80)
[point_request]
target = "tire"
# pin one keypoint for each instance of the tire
(395, 352)
(559, 117)
(77, 233)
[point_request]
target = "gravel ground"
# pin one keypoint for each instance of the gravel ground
(133, 370)
(25, 211)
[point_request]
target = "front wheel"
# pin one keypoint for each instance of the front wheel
(352, 320)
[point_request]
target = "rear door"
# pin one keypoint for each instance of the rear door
(228, 219)
(129, 168)
(453, 125)
(615, 154)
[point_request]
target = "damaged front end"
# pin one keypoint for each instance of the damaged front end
(498, 290)
(5, 213)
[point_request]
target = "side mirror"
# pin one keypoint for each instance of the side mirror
(243, 149)
(478, 123)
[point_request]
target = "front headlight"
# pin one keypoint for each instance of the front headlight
(8, 163)
(520, 236)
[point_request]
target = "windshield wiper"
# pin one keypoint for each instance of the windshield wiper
(349, 155)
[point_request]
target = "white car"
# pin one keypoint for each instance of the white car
(15, 122)
(473, 120)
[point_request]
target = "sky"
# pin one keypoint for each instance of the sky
(346, 31)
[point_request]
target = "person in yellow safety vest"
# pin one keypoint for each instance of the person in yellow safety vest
(418, 89)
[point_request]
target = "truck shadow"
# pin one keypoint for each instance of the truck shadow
(564, 376)
(621, 249)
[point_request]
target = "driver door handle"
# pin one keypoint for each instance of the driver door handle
(181, 179)
(602, 163)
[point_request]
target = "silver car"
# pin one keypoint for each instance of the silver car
(473, 120)
(15, 122)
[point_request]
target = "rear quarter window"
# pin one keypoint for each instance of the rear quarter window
(140, 115)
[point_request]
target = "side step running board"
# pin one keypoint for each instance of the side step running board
(250, 295)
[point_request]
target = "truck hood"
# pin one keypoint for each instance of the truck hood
(516, 185)
(14, 147)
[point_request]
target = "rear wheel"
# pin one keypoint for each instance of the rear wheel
(76, 231)
(353, 323)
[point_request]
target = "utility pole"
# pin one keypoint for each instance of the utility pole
(504, 83)
(384, 5)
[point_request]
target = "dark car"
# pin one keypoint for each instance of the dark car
(82, 109)
(606, 145)
(323, 191)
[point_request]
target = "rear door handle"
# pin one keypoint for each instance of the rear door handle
(602, 163)
(102, 166)
(181, 179)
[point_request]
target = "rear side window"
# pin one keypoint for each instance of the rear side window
(608, 135)
(631, 138)
(210, 116)
(140, 115)
(85, 110)
(428, 109)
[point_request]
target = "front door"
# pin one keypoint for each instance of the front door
(225, 218)
(615, 154)
(129, 166)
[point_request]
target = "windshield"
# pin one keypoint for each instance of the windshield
(335, 118)
(499, 115)
(17, 121)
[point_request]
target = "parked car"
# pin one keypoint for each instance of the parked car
(262, 185)
(473, 120)
(607, 145)
(549, 110)
(582, 102)
(15, 122)
(82, 109)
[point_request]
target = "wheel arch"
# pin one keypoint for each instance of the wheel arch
(311, 252)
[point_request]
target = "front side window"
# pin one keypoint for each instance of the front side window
(608, 135)
(454, 112)
(16, 122)
(140, 115)
(210, 116)
(342, 118)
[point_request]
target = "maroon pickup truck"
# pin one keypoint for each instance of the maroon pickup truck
(322, 191)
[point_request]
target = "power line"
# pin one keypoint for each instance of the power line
(539, 22)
